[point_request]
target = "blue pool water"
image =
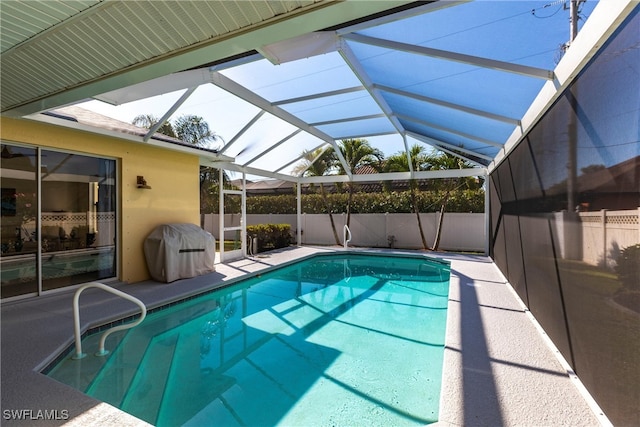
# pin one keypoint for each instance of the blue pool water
(333, 340)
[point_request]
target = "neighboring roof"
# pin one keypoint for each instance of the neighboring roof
(90, 118)
(90, 121)
(619, 178)
(365, 170)
(267, 186)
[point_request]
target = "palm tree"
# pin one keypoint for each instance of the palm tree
(189, 128)
(446, 161)
(399, 162)
(144, 120)
(318, 163)
(194, 130)
(148, 120)
(357, 153)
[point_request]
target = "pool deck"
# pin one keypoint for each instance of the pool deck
(499, 368)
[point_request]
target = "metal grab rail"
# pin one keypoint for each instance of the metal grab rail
(76, 317)
(344, 235)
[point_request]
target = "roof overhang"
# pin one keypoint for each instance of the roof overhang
(99, 37)
(206, 156)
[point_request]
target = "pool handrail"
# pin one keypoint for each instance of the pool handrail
(344, 236)
(76, 317)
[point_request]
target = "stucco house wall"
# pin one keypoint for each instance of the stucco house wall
(172, 176)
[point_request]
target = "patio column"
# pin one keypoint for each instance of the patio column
(299, 213)
(487, 217)
(243, 215)
(221, 214)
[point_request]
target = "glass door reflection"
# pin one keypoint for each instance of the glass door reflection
(19, 221)
(78, 219)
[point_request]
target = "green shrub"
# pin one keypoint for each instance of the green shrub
(383, 202)
(270, 236)
(628, 267)
(277, 204)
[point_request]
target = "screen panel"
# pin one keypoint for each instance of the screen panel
(577, 182)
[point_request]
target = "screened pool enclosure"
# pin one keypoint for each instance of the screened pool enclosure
(540, 98)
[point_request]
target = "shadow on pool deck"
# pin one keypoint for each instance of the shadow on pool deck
(477, 372)
(498, 369)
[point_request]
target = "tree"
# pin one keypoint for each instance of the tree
(399, 162)
(357, 153)
(148, 120)
(446, 161)
(194, 130)
(318, 163)
(188, 128)
(144, 120)
(210, 188)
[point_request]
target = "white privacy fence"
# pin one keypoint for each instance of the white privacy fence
(605, 233)
(460, 231)
(593, 237)
(597, 237)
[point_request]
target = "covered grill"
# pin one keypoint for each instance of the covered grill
(179, 251)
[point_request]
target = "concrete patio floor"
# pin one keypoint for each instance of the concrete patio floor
(499, 368)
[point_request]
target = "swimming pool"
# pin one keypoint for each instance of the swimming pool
(333, 340)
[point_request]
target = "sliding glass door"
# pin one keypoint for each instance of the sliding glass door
(19, 182)
(77, 219)
(64, 216)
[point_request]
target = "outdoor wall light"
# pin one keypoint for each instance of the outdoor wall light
(142, 183)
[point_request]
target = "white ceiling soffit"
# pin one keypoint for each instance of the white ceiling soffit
(118, 43)
(22, 20)
(110, 36)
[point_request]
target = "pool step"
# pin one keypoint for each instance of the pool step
(111, 382)
(234, 393)
(144, 395)
(189, 367)
(166, 355)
